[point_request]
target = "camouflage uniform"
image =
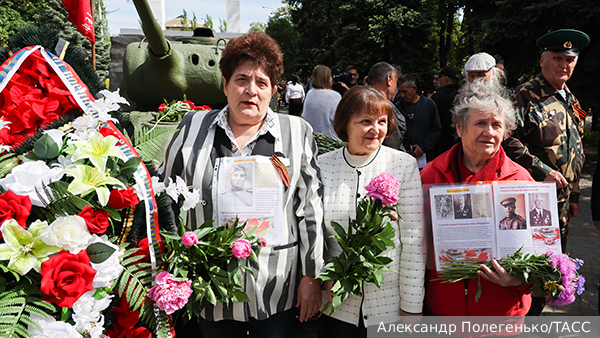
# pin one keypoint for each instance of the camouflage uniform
(548, 137)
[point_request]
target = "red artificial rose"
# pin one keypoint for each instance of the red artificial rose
(143, 252)
(122, 198)
(96, 220)
(162, 107)
(65, 277)
(123, 326)
(13, 206)
(120, 332)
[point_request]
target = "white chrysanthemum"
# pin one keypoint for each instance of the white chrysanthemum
(87, 311)
(84, 123)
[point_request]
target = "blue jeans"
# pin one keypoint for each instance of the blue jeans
(279, 325)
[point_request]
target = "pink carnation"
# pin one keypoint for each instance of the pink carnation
(169, 294)
(189, 238)
(384, 187)
(241, 248)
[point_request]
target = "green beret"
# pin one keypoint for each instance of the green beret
(508, 201)
(564, 41)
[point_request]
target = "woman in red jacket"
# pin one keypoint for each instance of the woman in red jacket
(483, 118)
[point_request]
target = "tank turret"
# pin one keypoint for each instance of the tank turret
(157, 69)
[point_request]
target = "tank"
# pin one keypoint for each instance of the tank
(157, 69)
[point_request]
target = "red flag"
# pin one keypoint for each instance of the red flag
(80, 14)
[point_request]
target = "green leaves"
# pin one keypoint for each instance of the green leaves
(46, 148)
(363, 246)
(99, 252)
(215, 273)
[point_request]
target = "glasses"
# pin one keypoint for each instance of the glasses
(354, 74)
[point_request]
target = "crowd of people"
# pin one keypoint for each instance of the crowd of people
(387, 126)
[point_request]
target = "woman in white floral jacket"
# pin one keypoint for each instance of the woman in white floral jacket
(363, 119)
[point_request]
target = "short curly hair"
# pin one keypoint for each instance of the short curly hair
(257, 48)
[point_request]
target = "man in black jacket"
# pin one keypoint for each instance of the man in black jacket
(443, 98)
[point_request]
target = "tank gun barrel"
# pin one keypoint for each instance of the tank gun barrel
(156, 39)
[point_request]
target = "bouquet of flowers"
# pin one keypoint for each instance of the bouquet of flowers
(364, 242)
(552, 275)
(71, 185)
(206, 264)
(173, 111)
(326, 144)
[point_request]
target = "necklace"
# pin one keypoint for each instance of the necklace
(358, 166)
(355, 167)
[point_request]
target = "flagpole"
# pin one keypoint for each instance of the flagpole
(94, 32)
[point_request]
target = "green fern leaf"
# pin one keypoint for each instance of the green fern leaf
(58, 201)
(151, 143)
(16, 307)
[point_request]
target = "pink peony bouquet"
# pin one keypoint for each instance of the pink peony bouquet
(169, 294)
(208, 264)
(385, 188)
(364, 241)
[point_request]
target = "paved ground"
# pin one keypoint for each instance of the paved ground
(584, 243)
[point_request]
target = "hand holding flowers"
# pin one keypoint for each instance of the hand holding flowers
(552, 275)
(364, 242)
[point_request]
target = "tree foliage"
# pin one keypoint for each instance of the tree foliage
(280, 27)
(15, 13)
(511, 27)
(425, 35)
(362, 33)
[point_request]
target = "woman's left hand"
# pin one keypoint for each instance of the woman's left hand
(500, 276)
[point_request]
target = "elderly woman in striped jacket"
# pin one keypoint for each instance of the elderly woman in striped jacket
(284, 279)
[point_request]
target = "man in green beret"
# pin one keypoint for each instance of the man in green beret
(550, 123)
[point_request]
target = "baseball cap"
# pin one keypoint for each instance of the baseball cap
(451, 72)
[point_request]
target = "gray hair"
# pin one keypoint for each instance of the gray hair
(482, 96)
(379, 72)
(411, 80)
(498, 77)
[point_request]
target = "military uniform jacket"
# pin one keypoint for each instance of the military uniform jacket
(548, 134)
(538, 220)
(272, 290)
(465, 212)
(516, 222)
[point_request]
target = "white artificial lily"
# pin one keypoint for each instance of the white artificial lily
(88, 179)
(25, 249)
(97, 149)
(180, 188)
(158, 186)
(114, 97)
